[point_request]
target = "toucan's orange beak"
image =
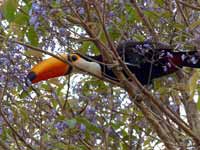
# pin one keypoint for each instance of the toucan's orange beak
(49, 68)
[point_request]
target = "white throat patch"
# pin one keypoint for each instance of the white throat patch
(92, 67)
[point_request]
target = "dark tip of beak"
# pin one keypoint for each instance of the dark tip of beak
(31, 76)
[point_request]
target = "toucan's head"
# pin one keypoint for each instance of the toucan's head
(53, 67)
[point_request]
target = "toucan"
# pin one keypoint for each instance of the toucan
(147, 60)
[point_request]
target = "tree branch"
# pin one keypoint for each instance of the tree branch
(144, 20)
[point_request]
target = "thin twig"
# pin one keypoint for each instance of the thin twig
(66, 103)
(182, 13)
(189, 5)
(144, 20)
(7, 122)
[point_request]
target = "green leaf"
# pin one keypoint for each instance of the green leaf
(24, 113)
(4, 134)
(32, 36)
(9, 8)
(114, 32)
(117, 125)
(132, 14)
(25, 93)
(151, 14)
(147, 141)
(85, 47)
(192, 85)
(71, 123)
(45, 86)
(159, 2)
(26, 1)
(54, 103)
(62, 146)
(89, 126)
(46, 137)
(21, 18)
(198, 103)
(194, 24)
(166, 15)
(179, 26)
(139, 37)
(60, 118)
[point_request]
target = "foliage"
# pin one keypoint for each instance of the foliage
(80, 111)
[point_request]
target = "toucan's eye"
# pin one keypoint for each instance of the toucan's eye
(73, 58)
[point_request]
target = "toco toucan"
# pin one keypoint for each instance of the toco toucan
(147, 60)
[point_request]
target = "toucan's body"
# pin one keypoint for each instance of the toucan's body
(146, 60)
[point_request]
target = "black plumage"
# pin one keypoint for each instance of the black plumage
(148, 60)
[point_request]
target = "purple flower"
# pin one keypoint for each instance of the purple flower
(58, 1)
(1, 120)
(11, 84)
(141, 123)
(27, 65)
(82, 127)
(33, 19)
(36, 7)
(108, 130)
(77, 2)
(37, 24)
(28, 82)
(30, 12)
(17, 56)
(109, 1)
(118, 19)
(18, 47)
(62, 31)
(81, 11)
(173, 107)
(111, 14)
(53, 113)
(43, 12)
(54, 95)
(1, 130)
(61, 126)
(9, 114)
(90, 110)
(2, 77)
(4, 61)
(118, 117)
(1, 16)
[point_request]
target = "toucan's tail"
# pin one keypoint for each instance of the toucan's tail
(189, 59)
